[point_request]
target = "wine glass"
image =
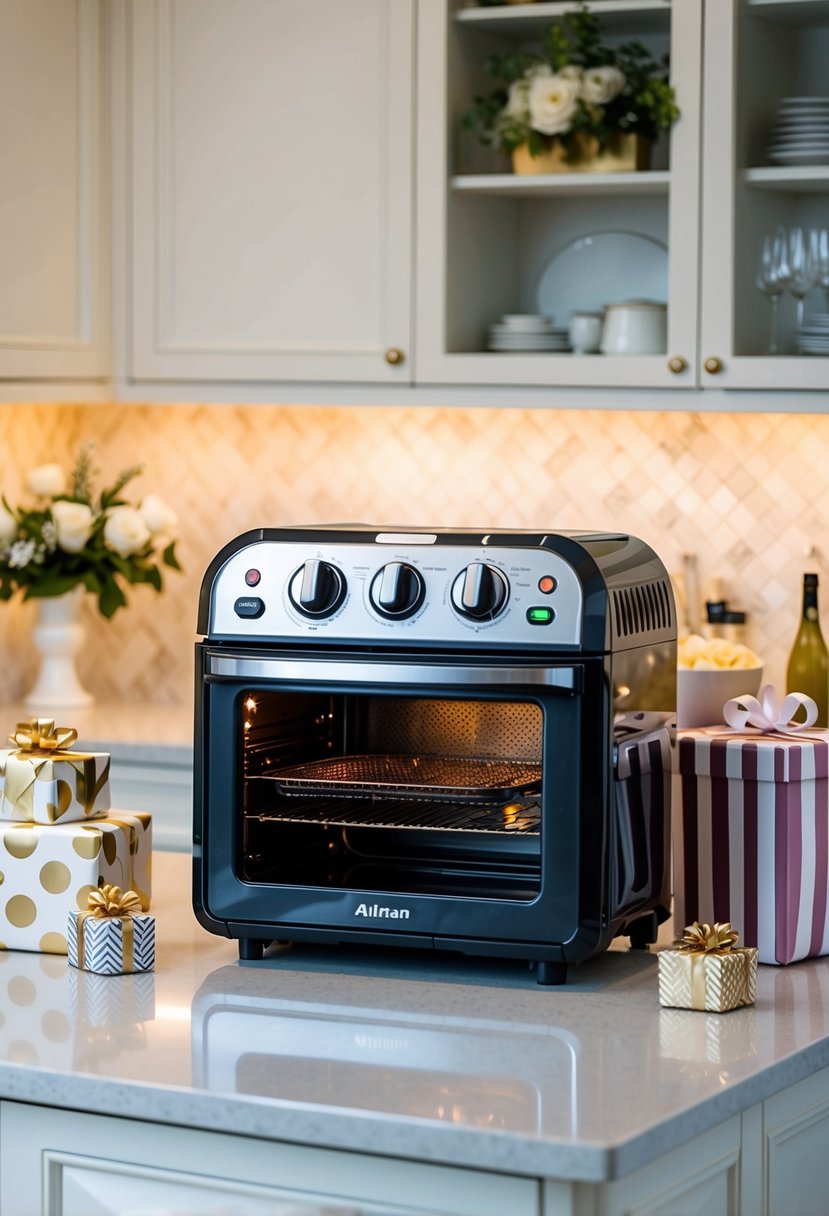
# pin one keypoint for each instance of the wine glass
(800, 271)
(769, 280)
(823, 262)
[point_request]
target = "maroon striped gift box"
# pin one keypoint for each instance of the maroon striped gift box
(751, 839)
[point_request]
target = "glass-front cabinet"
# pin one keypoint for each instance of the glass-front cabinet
(493, 243)
(765, 220)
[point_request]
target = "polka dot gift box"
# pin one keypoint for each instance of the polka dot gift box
(46, 871)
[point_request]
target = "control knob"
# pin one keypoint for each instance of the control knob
(397, 591)
(480, 592)
(317, 588)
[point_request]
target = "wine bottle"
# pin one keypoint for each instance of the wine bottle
(808, 669)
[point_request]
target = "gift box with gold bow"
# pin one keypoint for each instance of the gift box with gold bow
(46, 871)
(44, 781)
(706, 969)
(111, 936)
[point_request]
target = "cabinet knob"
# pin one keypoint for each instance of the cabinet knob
(713, 365)
(677, 364)
(395, 356)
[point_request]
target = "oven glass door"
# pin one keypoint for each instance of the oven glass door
(377, 792)
(371, 782)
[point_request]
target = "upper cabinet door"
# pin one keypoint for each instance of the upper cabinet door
(766, 175)
(270, 188)
(491, 242)
(52, 305)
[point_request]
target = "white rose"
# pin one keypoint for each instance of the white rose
(601, 85)
(125, 531)
(572, 71)
(553, 104)
(157, 515)
(73, 525)
(46, 480)
(8, 526)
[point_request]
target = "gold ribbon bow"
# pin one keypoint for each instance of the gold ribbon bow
(702, 941)
(708, 939)
(42, 736)
(107, 903)
(39, 742)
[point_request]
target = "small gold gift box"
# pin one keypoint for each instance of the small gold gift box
(706, 969)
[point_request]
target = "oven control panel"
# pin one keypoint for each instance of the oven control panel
(403, 590)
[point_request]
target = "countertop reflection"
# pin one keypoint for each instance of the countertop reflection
(436, 1058)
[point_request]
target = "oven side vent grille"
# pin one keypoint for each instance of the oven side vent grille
(645, 608)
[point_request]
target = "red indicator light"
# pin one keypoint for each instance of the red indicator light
(547, 584)
(252, 577)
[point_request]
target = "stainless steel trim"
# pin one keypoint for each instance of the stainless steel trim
(373, 672)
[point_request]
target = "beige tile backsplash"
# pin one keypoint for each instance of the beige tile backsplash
(747, 493)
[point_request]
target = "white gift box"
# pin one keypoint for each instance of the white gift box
(47, 871)
(61, 788)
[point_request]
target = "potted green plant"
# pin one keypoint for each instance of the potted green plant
(578, 105)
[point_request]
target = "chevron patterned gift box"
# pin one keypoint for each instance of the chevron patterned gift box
(751, 838)
(113, 936)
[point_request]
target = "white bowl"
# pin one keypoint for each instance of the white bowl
(700, 695)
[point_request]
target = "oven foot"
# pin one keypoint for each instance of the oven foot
(251, 948)
(550, 973)
(644, 932)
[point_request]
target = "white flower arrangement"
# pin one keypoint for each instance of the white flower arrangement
(73, 537)
(575, 88)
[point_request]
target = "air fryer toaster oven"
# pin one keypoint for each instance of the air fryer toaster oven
(446, 740)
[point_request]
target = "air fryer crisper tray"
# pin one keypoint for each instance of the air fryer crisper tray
(459, 778)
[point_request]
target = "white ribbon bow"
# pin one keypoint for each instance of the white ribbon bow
(769, 713)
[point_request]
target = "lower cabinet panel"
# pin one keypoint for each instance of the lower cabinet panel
(63, 1163)
(796, 1142)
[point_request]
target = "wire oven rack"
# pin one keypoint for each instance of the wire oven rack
(520, 817)
(458, 779)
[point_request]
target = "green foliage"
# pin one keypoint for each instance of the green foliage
(105, 546)
(645, 105)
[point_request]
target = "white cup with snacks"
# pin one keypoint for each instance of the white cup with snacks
(711, 671)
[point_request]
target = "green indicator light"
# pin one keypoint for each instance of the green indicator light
(540, 616)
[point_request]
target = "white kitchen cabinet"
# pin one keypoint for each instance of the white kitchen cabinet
(53, 300)
(490, 242)
(58, 1161)
(757, 52)
(269, 184)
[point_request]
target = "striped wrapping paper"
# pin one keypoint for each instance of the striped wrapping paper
(751, 839)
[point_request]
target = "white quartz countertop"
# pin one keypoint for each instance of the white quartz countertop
(438, 1059)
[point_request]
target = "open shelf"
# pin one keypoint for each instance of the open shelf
(799, 179)
(794, 12)
(562, 185)
(525, 20)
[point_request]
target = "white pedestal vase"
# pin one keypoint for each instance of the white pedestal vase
(58, 636)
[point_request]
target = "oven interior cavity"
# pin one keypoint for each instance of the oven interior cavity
(372, 792)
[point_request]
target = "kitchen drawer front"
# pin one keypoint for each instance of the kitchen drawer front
(96, 1164)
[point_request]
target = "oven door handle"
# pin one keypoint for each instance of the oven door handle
(239, 667)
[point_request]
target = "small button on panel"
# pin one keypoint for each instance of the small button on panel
(249, 607)
(547, 584)
(253, 577)
(540, 614)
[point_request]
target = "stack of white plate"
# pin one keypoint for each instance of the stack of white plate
(801, 132)
(522, 332)
(813, 337)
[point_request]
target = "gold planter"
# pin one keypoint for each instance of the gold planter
(625, 153)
